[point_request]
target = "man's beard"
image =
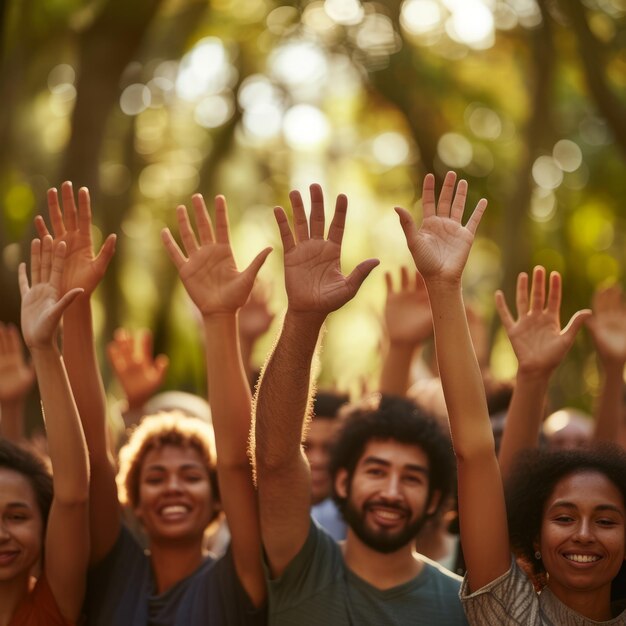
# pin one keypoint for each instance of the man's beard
(382, 540)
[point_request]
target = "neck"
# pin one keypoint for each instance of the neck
(12, 592)
(594, 604)
(381, 570)
(173, 561)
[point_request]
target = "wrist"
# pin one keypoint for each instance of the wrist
(307, 319)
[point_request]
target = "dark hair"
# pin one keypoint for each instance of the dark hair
(534, 477)
(326, 404)
(383, 418)
(34, 469)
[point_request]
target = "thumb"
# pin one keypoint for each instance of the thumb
(576, 323)
(253, 269)
(360, 273)
(106, 254)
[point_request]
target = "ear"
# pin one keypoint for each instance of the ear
(433, 503)
(341, 483)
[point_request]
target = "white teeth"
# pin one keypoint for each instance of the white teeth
(174, 509)
(582, 558)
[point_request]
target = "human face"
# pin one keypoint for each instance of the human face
(388, 497)
(582, 536)
(21, 526)
(175, 500)
(317, 445)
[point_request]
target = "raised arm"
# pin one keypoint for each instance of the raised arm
(210, 275)
(440, 249)
(139, 373)
(67, 532)
(16, 379)
(84, 269)
(608, 330)
(408, 323)
(539, 345)
(315, 286)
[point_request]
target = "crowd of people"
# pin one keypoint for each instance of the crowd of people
(279, 503)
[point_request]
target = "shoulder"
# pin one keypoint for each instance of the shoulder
(39, 608)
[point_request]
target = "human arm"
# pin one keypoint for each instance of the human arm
(67, 532)
(540, 345)
(608, 331)
(315, 286)
(440, 249)
(16, 379)
(139, 373)
(83, 269)
(211, 278)
(408, 323)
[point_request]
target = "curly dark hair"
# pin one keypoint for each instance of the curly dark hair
(383, 417)
(534, 477)
(33, 468)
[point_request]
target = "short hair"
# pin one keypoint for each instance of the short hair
(155, 432)
(33, 468)
(326, 404)
(535, 476)
(386, 417)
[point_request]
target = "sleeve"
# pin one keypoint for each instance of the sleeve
(509, 600)
(315, 567)
(40, 608)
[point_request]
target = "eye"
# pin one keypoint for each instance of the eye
(153, 479)
(563, 519)
(18, 517)
(376, 472)
(193, 478)
(606, 522)
(413, 479)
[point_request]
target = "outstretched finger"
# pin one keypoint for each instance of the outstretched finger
(40, 227)
(521, 294)
(172, 249)
(408, 226)
(356, 277)
(503, 311)
(203, 221)
(476, 216)
(389, 283)
(404, 278)
(554, 295)
(446, 195)
(58, 261)
(252, 270)
(84, 212)
(286, 235)
(69, 206)
(65, 302)
(300, 224)
(338, 225)
(317, 212)
(186, 232)
(429, 207)
(22, 279)
(458, 204)
(105, 255)
(46, 259)
(54, 212)
(222, 228)
(35, 261)
(574, 325)
(538, 289)
(144, 344)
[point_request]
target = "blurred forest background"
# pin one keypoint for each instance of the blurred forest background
(149, 101)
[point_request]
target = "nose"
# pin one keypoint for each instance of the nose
(4, 532)
(584, 531)
(391, 488)
(173, 483)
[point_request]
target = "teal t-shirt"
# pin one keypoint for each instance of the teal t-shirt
(318, 589)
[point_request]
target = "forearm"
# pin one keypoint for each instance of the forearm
(524, 417)
(608, 413)
(284, 393)
(460, 374)
(64, 432)
(12, 420)
(396, 370)
(84, 374)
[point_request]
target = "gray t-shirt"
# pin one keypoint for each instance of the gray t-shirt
(511, 600)
(317, 588)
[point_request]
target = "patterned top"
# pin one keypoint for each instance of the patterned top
(511, 600)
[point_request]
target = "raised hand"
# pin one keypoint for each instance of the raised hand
(139, 373)
(408, 319)
(208, 270)
(313, 277)
(255, 316)
(608, 324)
(43, 301)
(441, 245)
(82, 267)
(16, 375)
(536, 335)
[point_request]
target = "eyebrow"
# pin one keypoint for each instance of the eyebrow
(19, 505)
(601, 507)
(163, 468)
(413, 467)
